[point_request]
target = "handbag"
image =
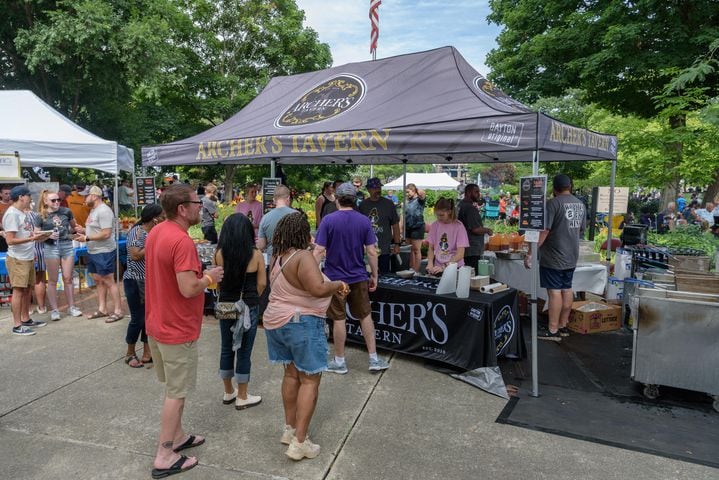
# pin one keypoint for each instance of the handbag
(225, 311)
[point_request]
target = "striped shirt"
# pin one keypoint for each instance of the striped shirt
(135, 268)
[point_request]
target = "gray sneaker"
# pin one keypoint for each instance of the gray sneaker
(33, 323)
(335, 367)
(378, 365)
(22, 330)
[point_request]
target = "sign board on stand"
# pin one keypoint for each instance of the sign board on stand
(268, 193)
(145, 191)
(532, 202)
(621, 199)
(10, 166)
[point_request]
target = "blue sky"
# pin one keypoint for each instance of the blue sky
(405, 26)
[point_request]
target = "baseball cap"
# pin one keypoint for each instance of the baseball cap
(66, 189)
(346, 190)
(374, 182)
(18, 191)
(94, 190)
(561, 182)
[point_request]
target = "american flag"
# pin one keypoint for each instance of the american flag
(374, 19)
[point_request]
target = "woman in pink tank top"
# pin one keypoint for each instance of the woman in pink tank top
(294, 326)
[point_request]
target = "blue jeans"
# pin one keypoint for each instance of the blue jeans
(136, 327)
(242, 357)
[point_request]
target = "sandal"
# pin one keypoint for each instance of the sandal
(114, 317)
(133, 358)
(96, 314)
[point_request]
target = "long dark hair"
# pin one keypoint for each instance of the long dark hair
(292, 231)
(237, 244)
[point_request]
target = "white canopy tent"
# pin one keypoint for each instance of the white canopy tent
(45, 138)
(425, 181)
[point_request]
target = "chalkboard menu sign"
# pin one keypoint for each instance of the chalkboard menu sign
(532, 202)
(145, 190)
(268, 193)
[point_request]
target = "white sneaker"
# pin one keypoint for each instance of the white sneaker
(306, 449)
(287, 435)
(250, 401)
(55, 316)
(228, 398)
(74, 311)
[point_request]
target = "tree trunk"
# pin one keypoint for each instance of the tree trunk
(675, 151)
(229, 181)
(713, 190)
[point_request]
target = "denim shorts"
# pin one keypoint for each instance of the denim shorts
(101, 263)
(302, 343)
(61, 249)
(552, 279)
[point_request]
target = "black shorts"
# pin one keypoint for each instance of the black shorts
(415, 233)
(552, 279)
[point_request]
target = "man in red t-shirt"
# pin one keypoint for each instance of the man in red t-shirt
(174, 287)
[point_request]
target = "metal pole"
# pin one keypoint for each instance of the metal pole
(115, 200)
(534, 271)
(611, 211)
(273, 164)
(404, 200)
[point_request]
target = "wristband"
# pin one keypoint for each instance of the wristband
(209, 278)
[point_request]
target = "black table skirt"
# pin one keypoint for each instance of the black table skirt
(464, 332)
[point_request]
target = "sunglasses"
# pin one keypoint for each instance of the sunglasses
(54, 200)
(197, 202)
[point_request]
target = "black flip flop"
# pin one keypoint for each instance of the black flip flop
(176, 467)
(189, 443)
(130, 358)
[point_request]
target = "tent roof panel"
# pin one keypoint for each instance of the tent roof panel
(45, 138)
(406, 107)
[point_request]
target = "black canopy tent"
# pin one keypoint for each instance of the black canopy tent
(425, 107)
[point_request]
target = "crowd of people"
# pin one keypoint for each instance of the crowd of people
(298, 285)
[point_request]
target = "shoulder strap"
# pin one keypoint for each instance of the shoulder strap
(282, 267)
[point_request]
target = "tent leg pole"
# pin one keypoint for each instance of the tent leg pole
(533, 299)
(273, 165)
(610, 221)
(404, 202)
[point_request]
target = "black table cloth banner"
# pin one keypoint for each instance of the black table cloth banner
(464, 332)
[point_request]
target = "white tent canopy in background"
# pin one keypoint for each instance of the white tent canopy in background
(425, 181)
(45, 138)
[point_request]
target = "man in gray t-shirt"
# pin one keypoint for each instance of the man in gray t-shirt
(270, 219)
(209, 213)
(558, 254)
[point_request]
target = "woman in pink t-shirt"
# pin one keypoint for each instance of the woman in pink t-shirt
(447, 238)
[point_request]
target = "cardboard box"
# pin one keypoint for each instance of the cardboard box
(608, 318)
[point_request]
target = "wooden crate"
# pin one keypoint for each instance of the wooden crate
(698, 282)
(690, 263)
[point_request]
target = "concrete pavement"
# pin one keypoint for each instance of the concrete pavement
(71, 408)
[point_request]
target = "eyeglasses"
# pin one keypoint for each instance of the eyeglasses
(197, 202)
(53, 200)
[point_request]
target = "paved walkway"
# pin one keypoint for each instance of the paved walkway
(71, 408)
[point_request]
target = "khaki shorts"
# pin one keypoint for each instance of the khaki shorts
(358, 300)
(22, 272)
(176, 367)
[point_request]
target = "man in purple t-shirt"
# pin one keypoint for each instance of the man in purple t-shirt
(343, 238)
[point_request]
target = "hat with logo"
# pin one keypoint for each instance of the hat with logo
(94, 190)
(374, 182)
(346, 190)
(561, 182)
(18, 191)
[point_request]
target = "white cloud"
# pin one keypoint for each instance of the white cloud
(406, 26)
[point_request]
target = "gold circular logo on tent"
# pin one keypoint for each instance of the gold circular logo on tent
(333, 97)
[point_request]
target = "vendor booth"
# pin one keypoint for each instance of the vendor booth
(42, 137)
(425, 107)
